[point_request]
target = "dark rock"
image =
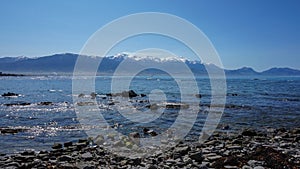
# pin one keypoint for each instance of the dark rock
(134, 135)
(197, 156)
(9, 94)
(28, 152)
(45, 103)
(65, 158)
(11, 130)
(145, 130)
(93, 95)
(152, 133)
(19, 103)
(11, 165)
(68, 144)
(129, 94)
(152, 106)
(182, 150)
(83, 141)
(81, 95)
(249, 132)
(143, 95)
(89, 167)
(226, 127)
(57, 146)
(198, 95)
(177, 106)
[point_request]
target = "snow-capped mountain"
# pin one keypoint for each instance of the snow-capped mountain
(64, 63)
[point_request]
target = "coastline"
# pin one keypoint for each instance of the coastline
(272, 148)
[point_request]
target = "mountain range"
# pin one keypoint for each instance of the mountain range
(64, 63)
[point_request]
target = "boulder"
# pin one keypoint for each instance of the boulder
(9, 94)
(57, 146)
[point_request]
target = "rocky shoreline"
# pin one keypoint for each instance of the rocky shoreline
(248, 149)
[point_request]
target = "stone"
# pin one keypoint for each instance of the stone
(213, 158)
(182, 150)
(45, 103)
(249, 132)
(57, 146)
(246, 167)
(254, 163)
(99, 140)
(197, 156)
(259, 167)
(231, 167)
(27, 153)
(87, 156)
(198, 95)
(134, 135)
(65, 158)
(226, 127)
(68, 144)
(9, 94)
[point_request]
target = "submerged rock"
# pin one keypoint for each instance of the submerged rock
(57, 146)
(45, 103)
(9, 94)
(20, 103)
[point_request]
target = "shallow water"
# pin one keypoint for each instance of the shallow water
(250, 102)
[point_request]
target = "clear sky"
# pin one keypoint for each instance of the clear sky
(256, 33)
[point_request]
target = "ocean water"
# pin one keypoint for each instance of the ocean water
(258, 102)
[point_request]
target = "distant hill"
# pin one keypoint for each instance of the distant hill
(281, 72)
(64, 63)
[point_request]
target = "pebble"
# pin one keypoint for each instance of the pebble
(249, 150)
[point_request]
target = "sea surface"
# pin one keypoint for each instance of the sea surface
(257, 102)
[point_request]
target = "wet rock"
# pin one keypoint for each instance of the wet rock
(9, 94)
(68, 144)
(143, 95)
(197, 156)
(249, 132)
(152, 106)
(86, 103)
(177, 106)
(226, 127)
(182, 150)
(65, 158)
(11, 165)
(213, 158)
(27, 153)
(198, 95)
(11, 130)
(93, 95)
(246, 167)
(45, 103)
(81, 95)
(150, 132)
(134, 135)
(19, 103)
(57, 146)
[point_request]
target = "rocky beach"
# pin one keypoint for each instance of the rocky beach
(246, 149)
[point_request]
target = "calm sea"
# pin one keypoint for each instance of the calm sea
(258, 102)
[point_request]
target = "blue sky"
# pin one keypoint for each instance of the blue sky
(256, 33)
